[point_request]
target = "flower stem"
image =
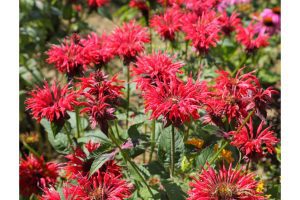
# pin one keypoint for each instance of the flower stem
(128, 95)
(152, 140)
(77, 122)
(69, 137)
(128, 159)
(172, 151)
(34, 152)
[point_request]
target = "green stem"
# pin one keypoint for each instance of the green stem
(152, 140)
(69, 137)
(128, 95)
(172, 151)
(77, 122)
(30, 149)
(186, 49)
(128, 159)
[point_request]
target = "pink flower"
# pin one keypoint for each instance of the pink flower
(67, 56)
(35, 174)
(168, 23)
(203, 31)
(269, 21)
(225, 184)
(156, 67)
(254, 143)
(97, 3)
(51, 102)
(128, 41)
(175, 101)
(96, 50)
(229, 23)
(250, 38)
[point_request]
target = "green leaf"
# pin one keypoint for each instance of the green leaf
(164, 147)
(99, 162)
(173, 190)
(133, 131)
(104, 11)
(204, 156)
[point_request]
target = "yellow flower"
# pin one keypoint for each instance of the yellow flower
(225, 154)
(260, 186)
(196, 142)
(29, 137)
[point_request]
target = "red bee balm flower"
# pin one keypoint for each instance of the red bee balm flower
(155, 67)
(224, 185)
(35, 174)
(96, 50)
(251, 38)
(203, 30)
(97, 3)
(51, 102)
(201, 6)
(128, 41)
(67, 56)
(167, 24)
(251, 143)
(139, 4)
(175, 101)
(229, 23)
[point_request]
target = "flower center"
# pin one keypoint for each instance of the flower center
(225, 191)
(97, 194)
(268, 21)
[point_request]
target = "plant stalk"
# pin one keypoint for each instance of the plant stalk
(128, 95)
(152, 140)
(172, 151)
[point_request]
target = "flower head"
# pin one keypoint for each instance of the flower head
(225, 184)
(155, 67)
(36, 174)
(128, 41)
(97, 3)
(250, 38)
(96, 50)
(67, 56)
(201, 6)
(51, 102)
(168, 23)
(254, 143)
(229, 23)
(269, 21)
(139, 4)
(175, 101)
(203, 31)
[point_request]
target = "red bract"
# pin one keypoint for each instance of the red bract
(229, 23)
(175, 101)
(78, 163)
(168, 23)
(139, 4)
(67, 56)
(155, 67)
(97, 3)
(203, 30)
(128, 41)
(36, 174)
(96, 50)
(254, 143)
(201, 6)
(250, 38)
(51, 102)
(226, 185)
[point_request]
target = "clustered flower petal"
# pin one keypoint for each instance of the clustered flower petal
(229, 23)
(36, 174)
(201, 6)
(254, 143)
(155, 67)
(128, 41)
(168, 23)
(51, 102)
(224, 184)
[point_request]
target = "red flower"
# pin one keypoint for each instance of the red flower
(78, 163)
(203, 30)
(36, 174)
(201, 6)
(67, 56)
(166, 3)
(71, 192)
(251, 38)
(51, 102)
(225, 184)
(139, 4)
(155, 67)
(97, 3)
(96, 50)
(168, 23)
(128, 41)
(175, 101)
(254, 143)
(229, 23)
